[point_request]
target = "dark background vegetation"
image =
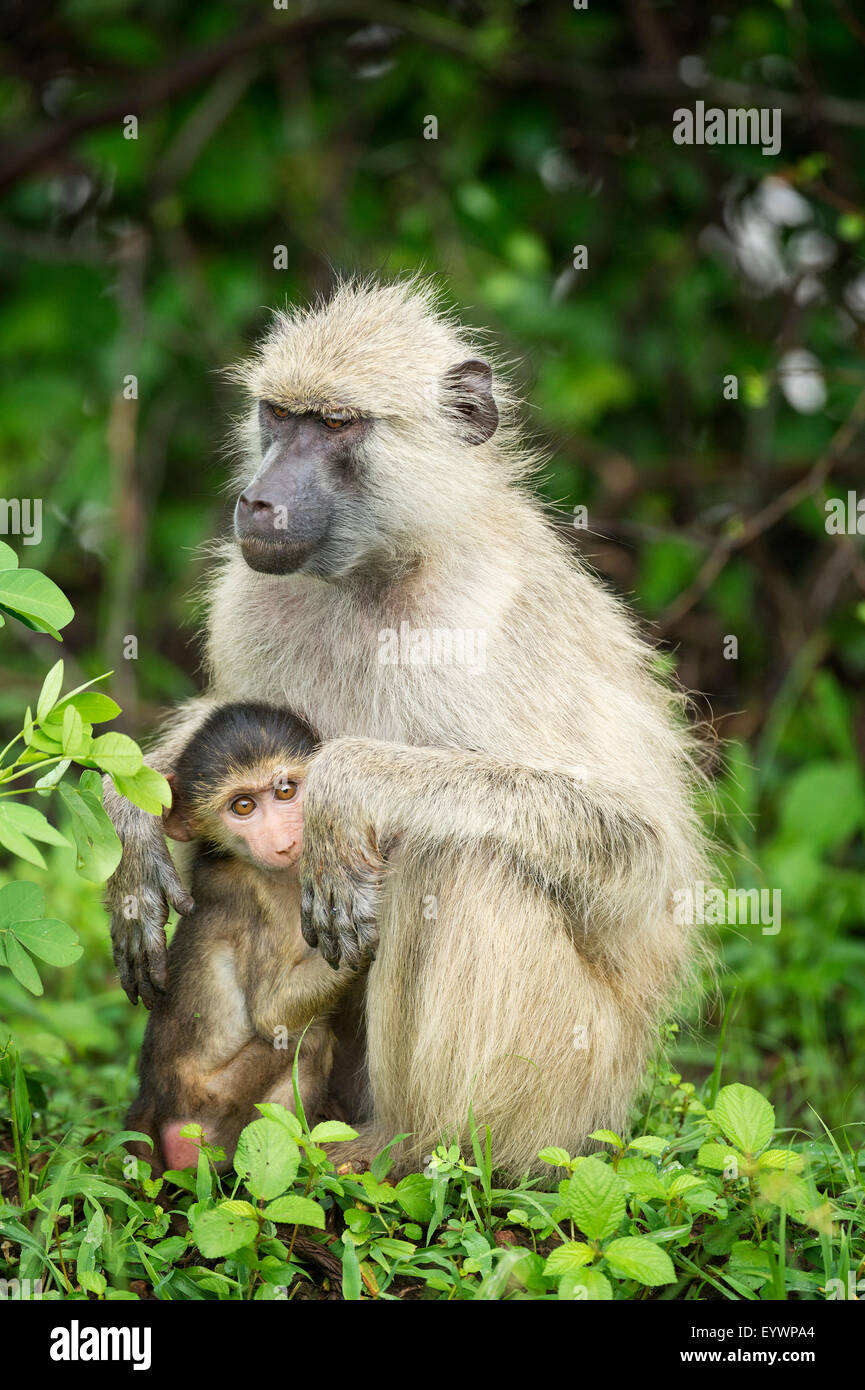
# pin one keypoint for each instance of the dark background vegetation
(303, 128)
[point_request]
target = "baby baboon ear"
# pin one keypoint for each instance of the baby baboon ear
(469, 392)
(175, 820)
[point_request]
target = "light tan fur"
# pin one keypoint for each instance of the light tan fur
(545, 802)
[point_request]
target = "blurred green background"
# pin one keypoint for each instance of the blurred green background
(303, 128)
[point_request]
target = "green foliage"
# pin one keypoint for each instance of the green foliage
(58, 734)
(713, 1213)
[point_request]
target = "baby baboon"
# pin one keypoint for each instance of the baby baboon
(542, 795)
(242, 983)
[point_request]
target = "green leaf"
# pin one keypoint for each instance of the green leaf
(77, 741)
(559, 1158)
(99, 849)
(717, 1156)
(147, 788)
(414, 1194)
(17, 843)
(51, 687)
(267, 1158)
(54, 774)
(782, 1158)
(117, 754)
(272, 1110)
(635, 1257)
(30, 821)
(607, 1136)
(296, 1211)
(92, 705)
(20, 901)
(8, 558)
(588, 1284)
(50, 940)
(823, 804)
(595, 1199)
(220, 1232)
(745, 1117)
(350, 1272)
(574, 1254)
(649, 1144)
(35, 600)
(22, 966)
(91, 1280)
(332, 1131)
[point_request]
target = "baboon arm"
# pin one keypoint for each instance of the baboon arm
(145, 882)
(297, 994)
(572, 835)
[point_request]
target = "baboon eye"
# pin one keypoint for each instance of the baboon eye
(335, 419)
(280, 411)
(285, 791)
(243, 805)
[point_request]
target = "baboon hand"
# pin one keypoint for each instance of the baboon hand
(341, 888)
(138, 896)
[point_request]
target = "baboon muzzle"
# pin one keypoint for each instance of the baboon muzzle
(281, 520)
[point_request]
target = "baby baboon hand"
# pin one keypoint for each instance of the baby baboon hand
(138, 896)
(341, 892)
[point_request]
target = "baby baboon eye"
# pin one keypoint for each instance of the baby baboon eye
(243, 805)
(285, 791)
(280, 411)
(335, 419)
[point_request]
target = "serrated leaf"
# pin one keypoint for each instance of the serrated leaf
(635, 1257)
(235, 1206)
(574, 1254)
(272, 1110)
(607, 1136)
(782, 1158)
(595, 1199)
(414, 1194)
(746, 1117)
(586, 1284)
(332, 1131)
(649, 1144)
(219, 1233)
(295, 1211)
(717, 1156)
(267, 1158)
(559, 1158)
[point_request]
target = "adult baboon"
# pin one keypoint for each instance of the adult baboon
(535, 806)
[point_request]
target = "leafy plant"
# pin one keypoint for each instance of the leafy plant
(58, 734)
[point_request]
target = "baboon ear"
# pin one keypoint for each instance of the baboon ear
(469, 391)
(175, 821)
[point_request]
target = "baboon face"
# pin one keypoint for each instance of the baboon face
(364, 411)
(291, 513)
